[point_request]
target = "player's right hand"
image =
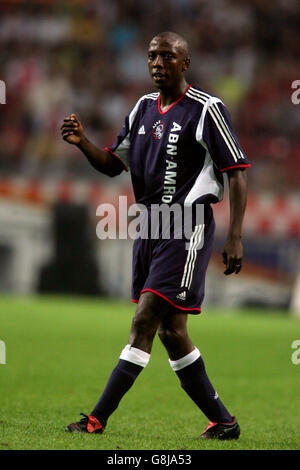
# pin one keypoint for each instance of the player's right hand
(72, 130)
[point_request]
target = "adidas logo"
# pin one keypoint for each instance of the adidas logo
(181, 296)
(142, 130)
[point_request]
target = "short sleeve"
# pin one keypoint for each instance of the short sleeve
(219, 138)
(121, 146)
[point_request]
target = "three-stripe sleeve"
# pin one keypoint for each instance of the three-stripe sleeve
(220, 139)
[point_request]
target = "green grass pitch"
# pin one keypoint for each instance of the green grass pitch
(60, 352)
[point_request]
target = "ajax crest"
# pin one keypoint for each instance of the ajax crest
(158, 129)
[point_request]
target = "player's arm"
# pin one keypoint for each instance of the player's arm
(233, 249)
(225, 150)
(101, 160)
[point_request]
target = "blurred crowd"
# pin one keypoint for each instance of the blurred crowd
(89, 57)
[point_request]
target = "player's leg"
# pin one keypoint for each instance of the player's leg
(135, 356)
(189, 366)
(173, 333)
(150, 312)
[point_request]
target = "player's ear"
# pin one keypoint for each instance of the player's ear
(186, 64)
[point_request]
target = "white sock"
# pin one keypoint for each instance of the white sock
(134, 355)
(185, 361)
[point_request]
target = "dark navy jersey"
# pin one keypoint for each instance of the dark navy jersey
(179, 155)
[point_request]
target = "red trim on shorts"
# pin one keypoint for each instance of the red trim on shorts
(110, 151)
(170, 301)
(135, 301)
(164, 112)
(235, 166)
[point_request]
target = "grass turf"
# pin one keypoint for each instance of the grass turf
(60, 352)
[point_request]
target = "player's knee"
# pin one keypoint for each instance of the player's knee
(147, 319)
(170, 336)
(142, 325)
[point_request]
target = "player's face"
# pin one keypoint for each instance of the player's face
(166, 62)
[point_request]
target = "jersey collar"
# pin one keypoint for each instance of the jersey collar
(164, 112)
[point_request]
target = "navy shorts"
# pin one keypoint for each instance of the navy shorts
(175, 269)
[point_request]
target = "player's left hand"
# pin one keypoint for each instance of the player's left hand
(232, 256)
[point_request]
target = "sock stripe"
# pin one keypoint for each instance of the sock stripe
(185, 361)
(134, 355)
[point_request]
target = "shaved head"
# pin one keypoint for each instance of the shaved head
(168, 60)
(175, 39)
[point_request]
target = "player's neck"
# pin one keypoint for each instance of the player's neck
(168, 96)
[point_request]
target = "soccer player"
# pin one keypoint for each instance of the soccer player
(177, 143)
